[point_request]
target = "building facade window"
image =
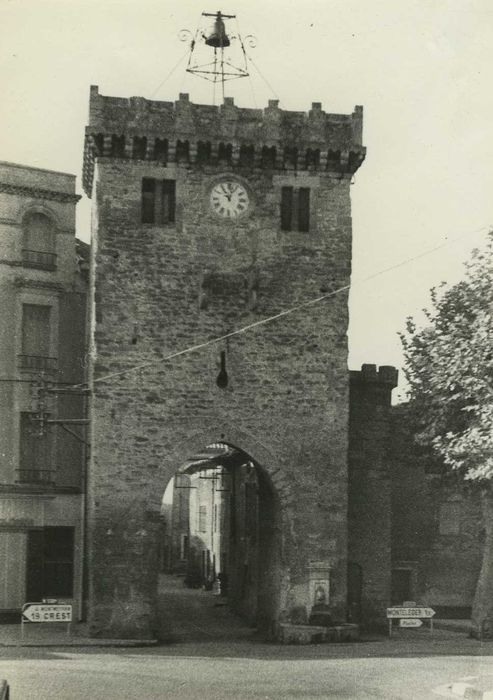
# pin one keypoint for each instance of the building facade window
(184, 546)
(36, 338)
(35, 450)
(158, 201)
(295, 209)
(50, 563)
(202, 518)
(39, 242)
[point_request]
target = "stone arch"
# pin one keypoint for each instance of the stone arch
(260, 601)
(223, 431)
(38, 208)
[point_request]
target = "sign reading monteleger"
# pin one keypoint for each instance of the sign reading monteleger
(39, 612)
(410, 612)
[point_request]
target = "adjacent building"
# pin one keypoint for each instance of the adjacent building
(43, 278)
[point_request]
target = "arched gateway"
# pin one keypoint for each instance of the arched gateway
(189, 245)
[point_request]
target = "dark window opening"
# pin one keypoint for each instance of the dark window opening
(290, 158)
(295, 209)
(160, 150)
(139, 148)
(247, 155)
(182, 151)
(225, 152)
(158, 201)
(203, 151)
(268, 157)
(287, 208)
(304, 209)
(312, 158)
(50, 563)
(118, 146)
(99, 144)
(333, 159)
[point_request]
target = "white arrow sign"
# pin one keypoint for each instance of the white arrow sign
(410, 612)
(38, 612)
(413, 622)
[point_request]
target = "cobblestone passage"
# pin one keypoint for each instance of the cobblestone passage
(195, 615)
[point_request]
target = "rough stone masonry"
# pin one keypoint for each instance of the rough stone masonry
(161, 287)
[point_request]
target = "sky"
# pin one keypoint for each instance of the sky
(422, 69)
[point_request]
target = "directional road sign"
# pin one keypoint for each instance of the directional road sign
(410, 612)
(40, 612)
(412, 622)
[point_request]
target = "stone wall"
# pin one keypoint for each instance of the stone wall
(437, 535)
(286, 401)
(369, 511)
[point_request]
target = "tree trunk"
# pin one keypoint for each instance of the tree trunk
(482, 610)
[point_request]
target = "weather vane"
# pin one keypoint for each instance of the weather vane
(222, 67)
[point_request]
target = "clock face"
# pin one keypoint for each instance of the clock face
(229, 199)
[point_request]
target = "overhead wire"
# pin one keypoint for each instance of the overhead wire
(263, 77)
(283, 313)
(170, 73)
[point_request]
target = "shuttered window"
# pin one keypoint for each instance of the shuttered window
(304, 209)
(286, 208)
(39, 234)
(295, 209)
(36, 330)
(35, 453)
(158, 201)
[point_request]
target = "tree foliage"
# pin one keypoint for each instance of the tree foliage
(449, 367)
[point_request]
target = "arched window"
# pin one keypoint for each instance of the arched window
(39, 242)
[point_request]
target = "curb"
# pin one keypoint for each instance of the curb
(83, 643)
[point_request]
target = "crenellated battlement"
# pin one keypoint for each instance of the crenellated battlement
(370, 374)
(186, 133)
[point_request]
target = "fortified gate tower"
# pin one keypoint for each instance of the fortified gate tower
(207, 219)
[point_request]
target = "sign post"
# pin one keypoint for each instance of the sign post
(410, 616)
(46, 612)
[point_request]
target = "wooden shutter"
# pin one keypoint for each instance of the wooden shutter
(169, 201)
(39, 234)
(286, 208)
(304, 209)
(148, 200)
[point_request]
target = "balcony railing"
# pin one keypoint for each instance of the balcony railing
(35, 476)
(39, 259)
(37, 363)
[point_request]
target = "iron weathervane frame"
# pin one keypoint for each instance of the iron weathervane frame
(221, 68)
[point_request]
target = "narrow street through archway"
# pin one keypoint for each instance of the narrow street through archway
(219, 548)
(196, 615)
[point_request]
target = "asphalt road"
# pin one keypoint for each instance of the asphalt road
(152, 674)
(210, 654)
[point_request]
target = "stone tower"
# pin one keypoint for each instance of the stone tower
(207, 219)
